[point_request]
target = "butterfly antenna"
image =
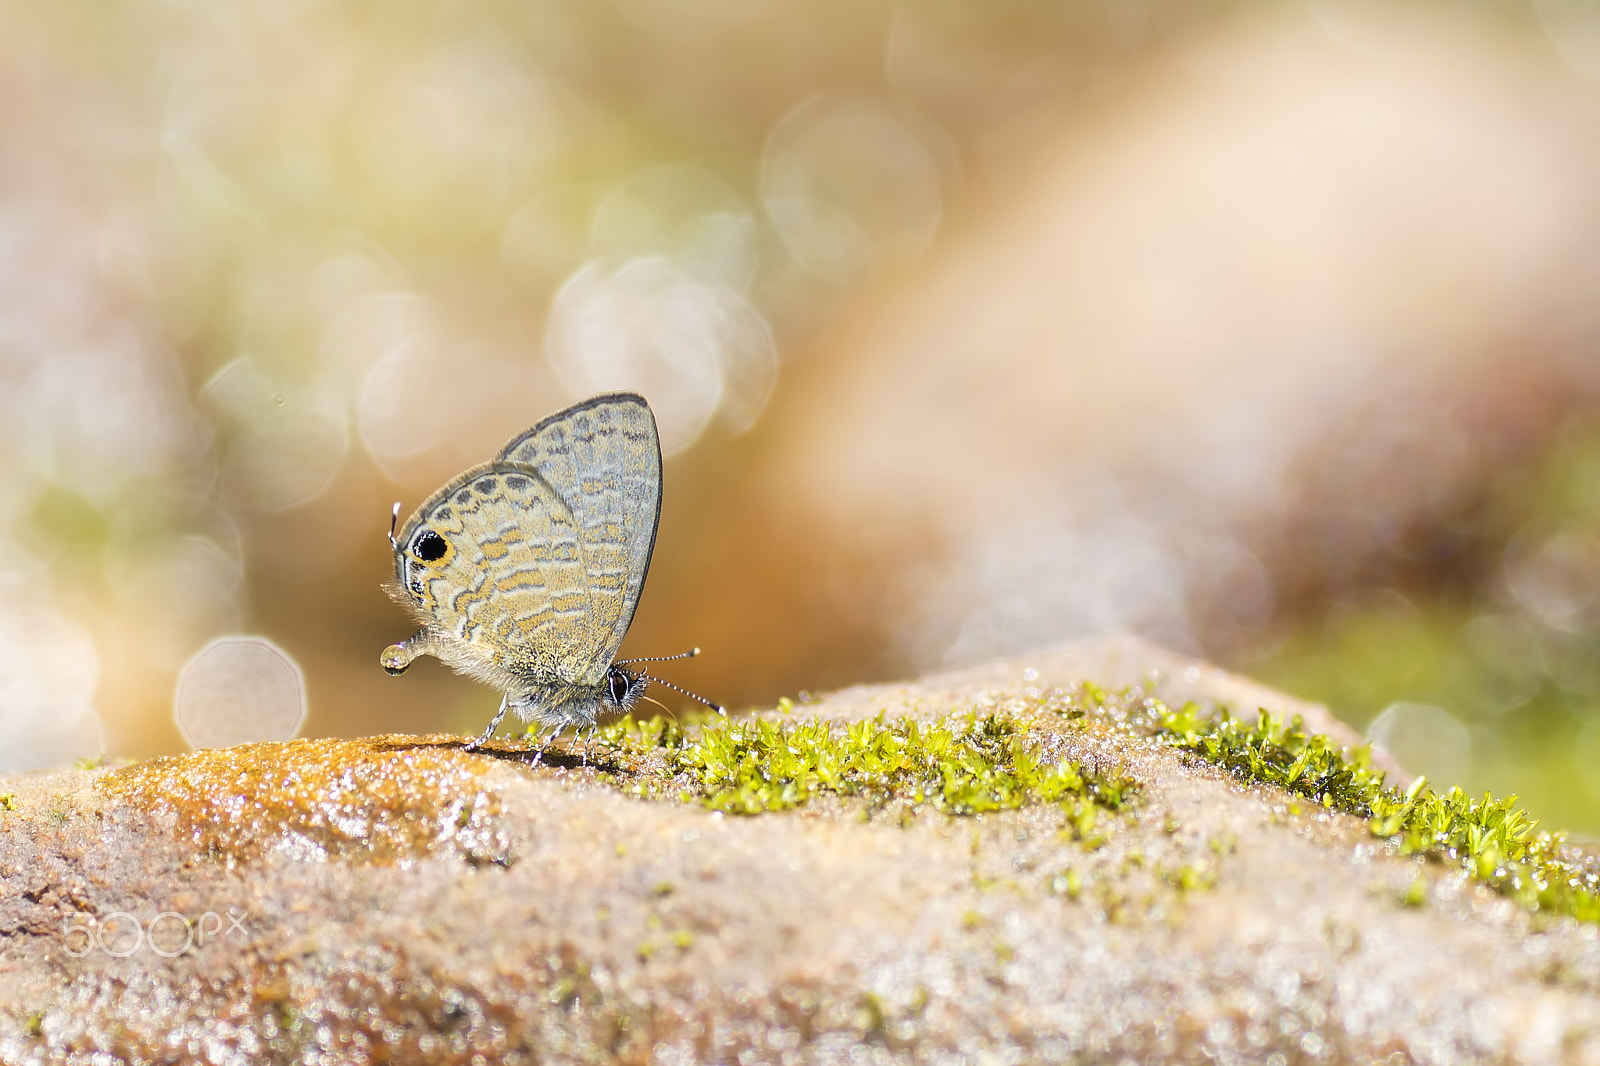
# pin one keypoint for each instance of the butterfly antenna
(690, 654)
(394, 519)
(719, 708)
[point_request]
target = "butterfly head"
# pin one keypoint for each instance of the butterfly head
(424, 555)
(623, 687)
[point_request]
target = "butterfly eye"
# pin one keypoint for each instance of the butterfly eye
(429, 546)
(617, 685)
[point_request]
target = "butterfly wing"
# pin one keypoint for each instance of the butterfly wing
(493, 562)
(603, 458)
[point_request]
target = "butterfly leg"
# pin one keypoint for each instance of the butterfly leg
(545, 744)
(474, 745)
(396, 657)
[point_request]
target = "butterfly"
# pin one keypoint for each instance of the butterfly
(525, 571)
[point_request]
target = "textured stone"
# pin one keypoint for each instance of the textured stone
(401, 899)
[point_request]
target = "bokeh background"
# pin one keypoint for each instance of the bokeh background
(1268, 330)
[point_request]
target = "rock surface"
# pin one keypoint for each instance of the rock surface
(400, 899)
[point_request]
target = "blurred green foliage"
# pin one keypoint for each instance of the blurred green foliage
(1511, 647)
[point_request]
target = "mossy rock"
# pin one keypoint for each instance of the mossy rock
(1051, 859)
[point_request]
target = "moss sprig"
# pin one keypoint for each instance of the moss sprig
(1307, 764)
(1492, 840)
(1496, 843)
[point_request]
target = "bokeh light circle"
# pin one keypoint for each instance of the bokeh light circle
(239, 690)
(697, 349)
(848, 183)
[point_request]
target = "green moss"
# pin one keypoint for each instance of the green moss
(1067, 883)
(970, 764)
(1275, 754)
(871, 1016)
(1493, 841)
(1496, 844)
(563, 993)
(8, 801)
(1190, 877)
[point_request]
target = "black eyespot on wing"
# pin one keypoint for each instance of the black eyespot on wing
(429, 546)
(486, 486)
(515, 483)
